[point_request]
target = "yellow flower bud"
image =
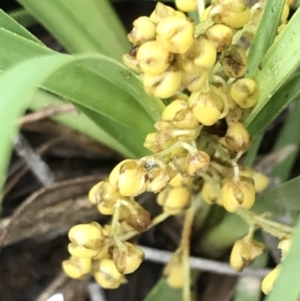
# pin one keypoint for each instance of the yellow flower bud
(269, 280)
(207, 107)
(205, 14)
(153, 59)
(107, 275)
(261, 181)
(174, 200)
(129, 177)
(291, 3)
(244, 252)
(174, 274)
(128, 260)
(186, 5)
(197, 161)
(245, 92)
(180, 115)
(179, 181)
(284, 245)
(176, 34)
(237, 138)
(143, 31)
(235, 13)
(209, 194)
(77, 268)
(131, 62)
(220, 35)
(238, 193)
(163, 85)
(86, 240)
(201, 56)
(234, 61)
(194, 82)
(162, 11)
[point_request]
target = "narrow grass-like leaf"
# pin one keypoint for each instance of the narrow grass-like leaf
(14, 101)
(280, 200)
(79, 122)
(278, 64)
(90, 89)
(289, 135)
(265, 34)
(287, 285)
(277, 104)
(81, 26)
(23, 17)
(10, 24)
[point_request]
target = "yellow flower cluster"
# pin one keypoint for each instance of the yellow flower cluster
(201, 69)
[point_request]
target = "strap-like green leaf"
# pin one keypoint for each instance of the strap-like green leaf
(265, 34)
(278, 64)
(88, 26)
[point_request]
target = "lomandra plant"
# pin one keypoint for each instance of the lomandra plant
(205, 84)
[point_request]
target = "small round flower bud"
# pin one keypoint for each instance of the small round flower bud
(238, 193)
(234, 61)
(180, 115)
(176, 34)
(220, 35)
(179, 181)
(269, 280)
(107, 275)
(162, 11)
(174, 200)
(163, 85)
(244, 252)
(153, 59)
(205, 14)
(234, 115)
(201, 56)
(194, 82)
(143, 31)
(131, 62)
(104, 196)
(174, 274)
(261, 181)
(285, 245)
(237, 138)
(209, 194)
(245, 93)
(197, 161)
(127, 261)
(235, 13)
(77, 268)
(186, 5)
(86, 240)
(207, 106)
(129, 177)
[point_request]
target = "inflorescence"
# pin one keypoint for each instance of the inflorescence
(201, 70)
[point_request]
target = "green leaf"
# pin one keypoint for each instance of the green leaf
(97, 92)
(81, 26)
(252, 152)
(265, 34)
(23, 17)
(78, 122)
(278, 64)
(10, 24)
(289, 135)
(287, 284)
(280, 200)
(277, 104)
